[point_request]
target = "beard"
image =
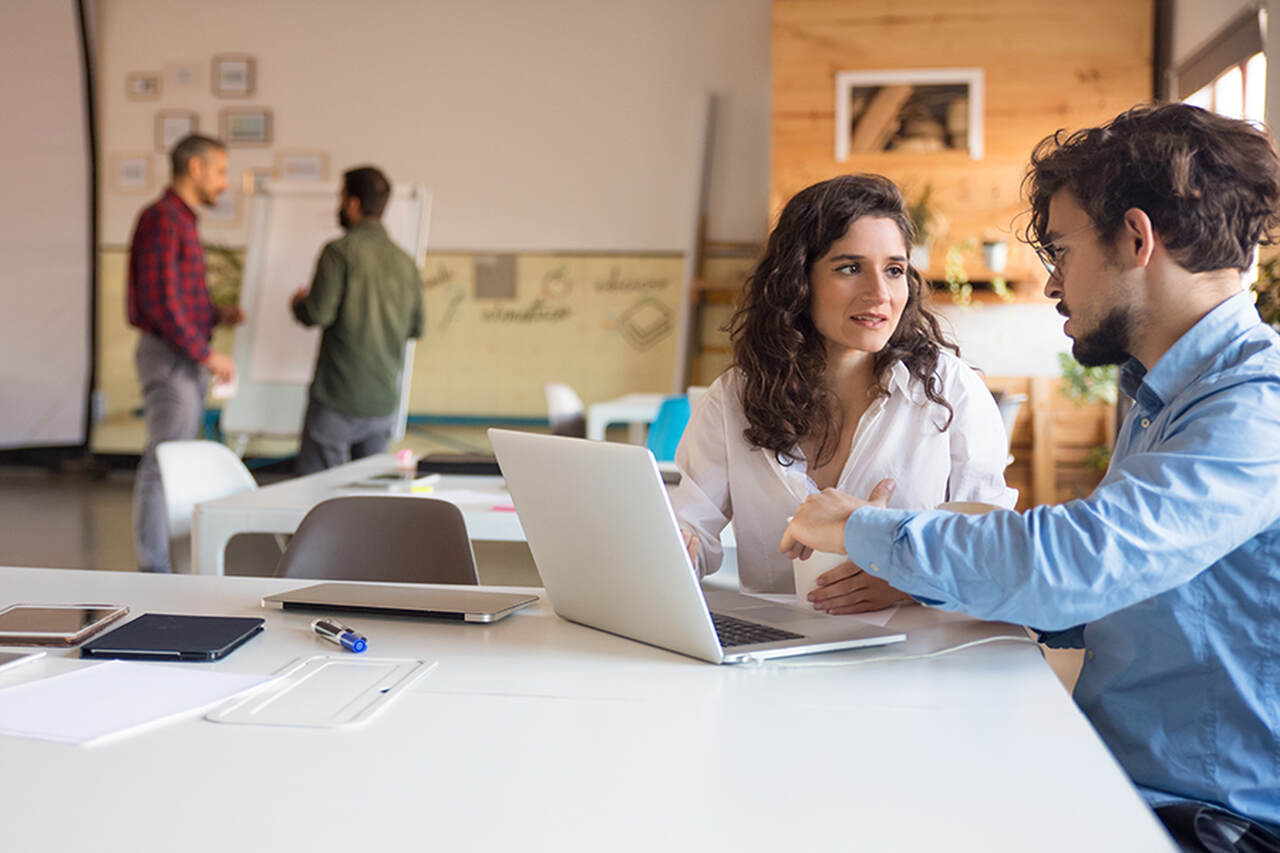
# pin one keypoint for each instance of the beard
(344, 220)
(1107, 343)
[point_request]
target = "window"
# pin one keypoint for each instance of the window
(1238, 92)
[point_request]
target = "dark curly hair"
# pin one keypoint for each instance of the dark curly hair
(779, 351)
(1210, 184)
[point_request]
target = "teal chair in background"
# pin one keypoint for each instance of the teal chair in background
(667, 427)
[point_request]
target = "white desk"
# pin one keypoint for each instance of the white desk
(635, 410)
(534, 734)
(280, 507)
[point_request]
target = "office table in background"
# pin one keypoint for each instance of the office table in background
(637, 411)
(536, 734)
(280, 507)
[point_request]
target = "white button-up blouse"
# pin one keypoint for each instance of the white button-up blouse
(725, 478)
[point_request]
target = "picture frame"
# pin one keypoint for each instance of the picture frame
(302, 165)
(234, 75)
(143, 85)
(173, 125)
(131, 173)
(245, 126)
(906, 110)
(255, 180)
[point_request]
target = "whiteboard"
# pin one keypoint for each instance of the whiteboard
(289, 224)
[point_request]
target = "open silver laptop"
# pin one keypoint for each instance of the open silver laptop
(609, 549)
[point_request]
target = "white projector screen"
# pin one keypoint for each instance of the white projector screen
(46, 244)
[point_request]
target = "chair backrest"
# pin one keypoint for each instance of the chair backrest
(565, 412)
(668, 427)
(397, 538)
(195, 471)
(191, 472)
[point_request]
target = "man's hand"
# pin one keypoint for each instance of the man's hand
(298, 295)
(220, 366)
(848, 589)
(229, 315)
(818, 524)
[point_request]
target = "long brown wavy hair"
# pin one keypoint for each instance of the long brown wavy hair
(776, 346)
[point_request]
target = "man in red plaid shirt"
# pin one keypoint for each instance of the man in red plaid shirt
(169, 304)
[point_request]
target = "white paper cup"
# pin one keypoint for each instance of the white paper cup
(807, 571)
(968, 507)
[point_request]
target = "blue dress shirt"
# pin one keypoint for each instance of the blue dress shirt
(1169, 573)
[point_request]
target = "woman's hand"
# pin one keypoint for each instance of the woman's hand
(691, 544)
(848, 589)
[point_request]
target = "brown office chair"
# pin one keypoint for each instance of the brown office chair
(381, 538)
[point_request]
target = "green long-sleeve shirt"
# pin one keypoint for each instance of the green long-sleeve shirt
(367, 296)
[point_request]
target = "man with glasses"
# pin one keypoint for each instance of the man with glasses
(1168, 575)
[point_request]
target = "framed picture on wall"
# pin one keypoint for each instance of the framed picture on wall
(245, 126)
(255, 180)
(173, 125)
(234, 75)
(143, 86)
(302, 165)
(902, 110)
(130, 173)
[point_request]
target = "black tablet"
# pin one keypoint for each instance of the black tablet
(169, 636)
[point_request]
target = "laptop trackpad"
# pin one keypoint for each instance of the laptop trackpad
(757, 609)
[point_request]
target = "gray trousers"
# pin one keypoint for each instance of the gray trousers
(331, 438)
(173, 388)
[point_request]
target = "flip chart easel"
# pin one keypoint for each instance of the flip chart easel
(275, 355)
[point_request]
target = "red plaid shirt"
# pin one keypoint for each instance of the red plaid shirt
(167, 293)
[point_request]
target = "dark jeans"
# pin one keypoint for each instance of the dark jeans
(1203, 829)
(331, 438)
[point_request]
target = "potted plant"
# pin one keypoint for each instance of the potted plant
(927, 222)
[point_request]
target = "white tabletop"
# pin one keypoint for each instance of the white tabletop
(280, 507)
(537, 734)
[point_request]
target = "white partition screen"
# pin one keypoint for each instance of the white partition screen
(46, 243)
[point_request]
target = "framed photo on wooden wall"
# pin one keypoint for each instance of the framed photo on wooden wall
(931, 109)
(245, 126)
(173, 125)
(234, 75)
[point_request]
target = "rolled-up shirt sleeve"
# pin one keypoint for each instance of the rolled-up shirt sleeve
(1159, 518)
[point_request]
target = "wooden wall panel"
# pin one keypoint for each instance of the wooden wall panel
(1047, 64)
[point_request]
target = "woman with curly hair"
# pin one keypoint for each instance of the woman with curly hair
(841, 378)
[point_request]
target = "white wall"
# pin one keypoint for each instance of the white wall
(547, 124)
(45, 245)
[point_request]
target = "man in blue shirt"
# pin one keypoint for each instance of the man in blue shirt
(1169, 573)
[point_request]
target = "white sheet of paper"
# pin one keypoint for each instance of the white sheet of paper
(470, 496)
(878, 618)
(109, 699)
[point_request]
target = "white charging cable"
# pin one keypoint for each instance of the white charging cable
(789, 664)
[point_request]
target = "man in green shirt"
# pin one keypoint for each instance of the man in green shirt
(367, 296)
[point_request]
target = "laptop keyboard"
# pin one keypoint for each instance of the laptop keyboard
(740, 632)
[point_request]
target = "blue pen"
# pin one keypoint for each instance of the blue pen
(336, 632)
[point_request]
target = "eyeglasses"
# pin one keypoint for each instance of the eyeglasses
(1050, 254)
